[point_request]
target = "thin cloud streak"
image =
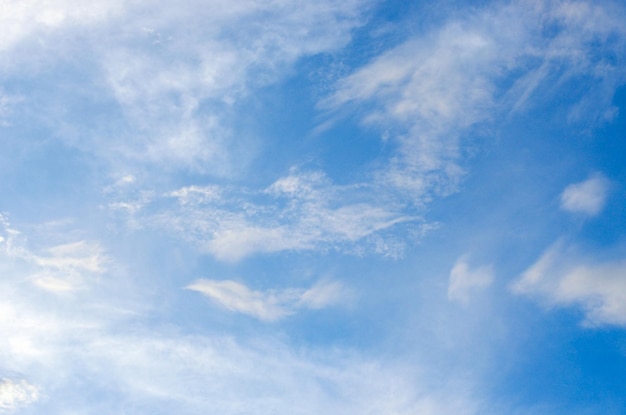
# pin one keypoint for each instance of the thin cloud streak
(269, 305)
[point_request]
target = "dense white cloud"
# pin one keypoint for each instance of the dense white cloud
(564, 277)
(464, 281)
(587, 197)
(269, 305)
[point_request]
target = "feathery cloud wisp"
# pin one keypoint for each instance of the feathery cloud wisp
(268, 305)
(299, 212)
(428, 93)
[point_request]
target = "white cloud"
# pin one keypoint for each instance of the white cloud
(16, 393)
(132, 363)
(587, 197)
(80, 256)
(175, 72)
(237, 297)
(219, 375)
(429, 92)
(564, 277)
(302, 211)
(232, 243)
(59, 268)
(464, 281)
(22, 20)
(426, 94)
(80, 355)
(268, 305)
(318, 227)
(197, 194)
(323, 294)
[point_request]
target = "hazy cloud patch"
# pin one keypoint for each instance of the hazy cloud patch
(465, 281)
(587, 197)
(564, 277)
(16, 393)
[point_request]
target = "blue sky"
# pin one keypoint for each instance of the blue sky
(305, 207)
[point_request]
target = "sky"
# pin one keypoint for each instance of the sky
(305, 207)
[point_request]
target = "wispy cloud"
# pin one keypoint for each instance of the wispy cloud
(587, 197)
(173, 76)
(269, 305)
(564, 277)
(59, 268)
(429, 92)
(464, 281)
(129, 361)
(298, 212)
(205, 374)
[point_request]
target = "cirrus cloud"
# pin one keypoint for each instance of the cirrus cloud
(269, 305)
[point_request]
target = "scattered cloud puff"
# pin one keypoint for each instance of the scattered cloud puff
(563, 277)
(465, 281)
(16, 393)
(587, 197)
(269, 305)
(429, 92)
